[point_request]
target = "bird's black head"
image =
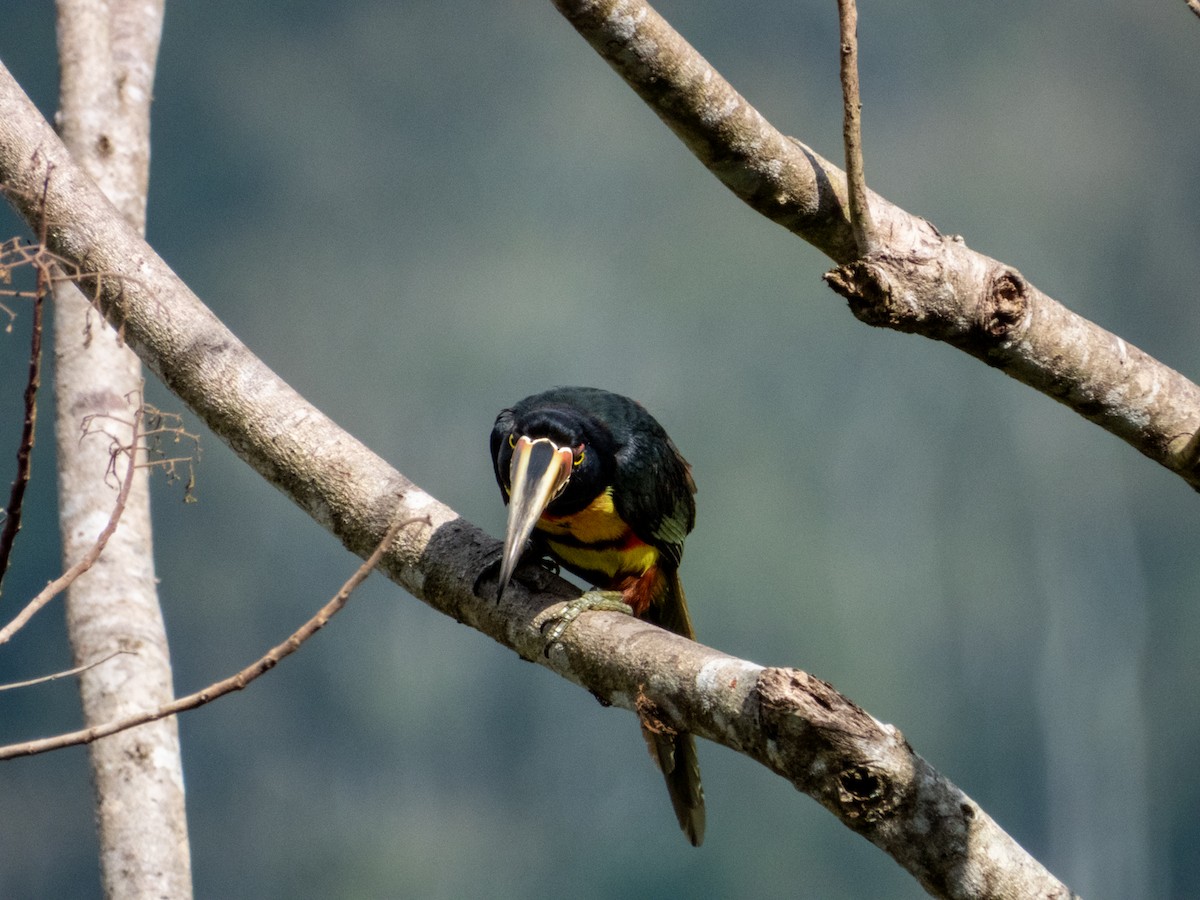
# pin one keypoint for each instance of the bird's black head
(564, 427)
(552, 453)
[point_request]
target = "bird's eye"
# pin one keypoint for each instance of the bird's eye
(512, 440)
(579, 455)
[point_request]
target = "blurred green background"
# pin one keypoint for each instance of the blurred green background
(418, 213)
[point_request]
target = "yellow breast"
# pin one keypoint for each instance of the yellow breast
(597, 540)
(598, 522)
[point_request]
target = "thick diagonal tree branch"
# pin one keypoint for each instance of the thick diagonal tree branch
(796, 725)
(918, 280)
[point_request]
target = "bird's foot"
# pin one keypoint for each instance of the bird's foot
(593, 600)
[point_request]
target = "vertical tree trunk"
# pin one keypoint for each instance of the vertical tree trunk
(107, 55)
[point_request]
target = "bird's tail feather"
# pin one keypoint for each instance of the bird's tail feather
(676, 758)
(675, 752)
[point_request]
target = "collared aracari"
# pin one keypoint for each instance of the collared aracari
(596, 483)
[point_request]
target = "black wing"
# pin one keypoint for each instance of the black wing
(656, 496)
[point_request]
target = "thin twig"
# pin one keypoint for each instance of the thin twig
(159, 425)
(856, 181)
(59, 584)
(16, 498)
(12, 686)
(234, 682)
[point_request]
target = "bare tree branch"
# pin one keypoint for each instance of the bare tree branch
(856, 179)
(13, 512)
(236, 682)
(107, 52)
(920, 280)
(56, 676)
(85, 562)
(16, 498)
(792, 723)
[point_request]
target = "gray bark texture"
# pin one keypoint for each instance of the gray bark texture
(107, 54)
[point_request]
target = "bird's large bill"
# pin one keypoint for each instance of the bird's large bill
(540, 470)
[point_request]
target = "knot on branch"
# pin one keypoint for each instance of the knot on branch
(905, 292)
(1185, 450)
(867, 287)
(831, 749)
(862, 794)
(1005, 303)
(941, 296)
